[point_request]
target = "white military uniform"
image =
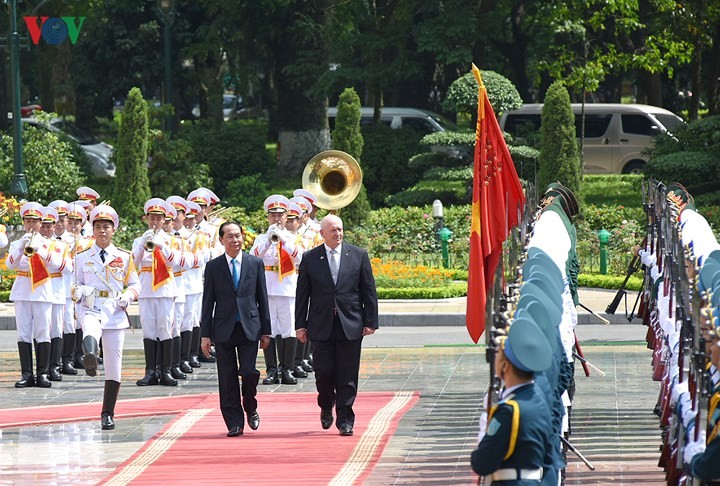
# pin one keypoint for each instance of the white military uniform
(102, 285)
(33, 307)
(61, 288)
(198, 245)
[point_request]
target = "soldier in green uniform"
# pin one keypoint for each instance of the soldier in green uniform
(515, 446)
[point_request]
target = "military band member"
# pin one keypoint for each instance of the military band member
(281, 255)
(107, 283)
(32, 294)
(199, 245)
(59, 292)
(203, 198)
(153, 257)
(311, 226)
(90, 196)
(515, 444)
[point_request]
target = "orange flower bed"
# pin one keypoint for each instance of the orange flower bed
(395, 274)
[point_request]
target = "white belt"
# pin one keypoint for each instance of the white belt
(104, 294)
(515, 474)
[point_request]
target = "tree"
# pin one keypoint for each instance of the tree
(462, 96)
(559, 155)
(132, 187)
(173, 167)
(348, 138)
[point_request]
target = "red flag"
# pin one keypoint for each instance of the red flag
(285, 263)
(497, 193)
(161, 273)
(38, 271)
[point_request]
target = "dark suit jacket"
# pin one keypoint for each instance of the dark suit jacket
(221, 303)
(354, 296)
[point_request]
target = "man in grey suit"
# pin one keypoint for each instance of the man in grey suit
(336, 305)
(235, 317)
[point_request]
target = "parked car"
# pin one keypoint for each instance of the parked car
(98, 152)
(423, 121)
(616, 135)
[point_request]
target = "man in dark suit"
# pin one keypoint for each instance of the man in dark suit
(235, 317)
(336, 305)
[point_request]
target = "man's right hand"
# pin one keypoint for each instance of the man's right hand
(205, 344)
(301, 335)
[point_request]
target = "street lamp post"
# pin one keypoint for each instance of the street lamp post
(18, 186)
(166, 12)
(443, 233)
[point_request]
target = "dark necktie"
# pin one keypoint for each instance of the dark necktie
(334, 267)
(235, 274)
(177, 233)
(102, 255)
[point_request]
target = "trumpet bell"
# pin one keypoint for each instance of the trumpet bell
(334, 177)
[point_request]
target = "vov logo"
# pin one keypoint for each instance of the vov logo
(54, 30)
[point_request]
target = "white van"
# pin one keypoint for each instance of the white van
(422, 121)
(615, 134)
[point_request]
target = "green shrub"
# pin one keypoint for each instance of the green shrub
(385, 161)
(446, 139)
(426, 191)
(427, 160)
(526, 160)
(247, 192)
(132, 187)
(699, 135)
(446, 292)
(231, 150)
(5, 296)
(464, 174)
(559, 154)
(50, 170)
(173, 170)
(462, 95)
(610, 281)
(690, 168)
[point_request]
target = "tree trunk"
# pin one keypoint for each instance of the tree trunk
(4, 91)
(712, 80)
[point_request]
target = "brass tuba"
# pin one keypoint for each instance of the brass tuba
(334, 177)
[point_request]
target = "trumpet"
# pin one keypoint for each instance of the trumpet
(274, 233)
(216, 212)
(150, 243)
(30, 247)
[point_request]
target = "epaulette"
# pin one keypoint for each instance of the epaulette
(83, 251)
(123, 250)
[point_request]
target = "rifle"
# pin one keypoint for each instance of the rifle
(633, 267)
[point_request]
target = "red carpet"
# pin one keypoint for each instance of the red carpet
(289, 447)
(78, 412)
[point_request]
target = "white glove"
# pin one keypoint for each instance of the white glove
(648, 259)
(123, 302)
(77, 294)
(686, 411)
(483, 426)
(679, 389)
(654, 273)
(694, 447)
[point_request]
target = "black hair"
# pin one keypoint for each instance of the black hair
(221, 231)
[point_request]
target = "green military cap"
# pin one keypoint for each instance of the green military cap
(554, 313)
(679, 196)
(566, 198)
(540, 315)
(545, 292)
(707, 275)
(713, 255)
(546, 264)
(526, 346)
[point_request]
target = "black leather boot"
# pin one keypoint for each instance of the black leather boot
(150, 347)
(175, 370)
(78, 359)
(288, 362)
(185, 342)
(112, 388)
(166, 378)
(271, 364)
(68, 354)
(42, 360)
(90, 350)
(26, 362)
(56, 345)
(195, 348)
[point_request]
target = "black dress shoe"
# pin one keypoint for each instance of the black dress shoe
(55, 374)
(204, 359)
(272, 377)
(287, 377)
(299, 372)
(326, 419)
(185, 367)
(253, 420)
(68, 368)
(176, 373)
(307, 367)
(194, 362)
(26, 381)
(346, 429)
(235, 431)
(42, 381)
(106, 421)
(91, 363)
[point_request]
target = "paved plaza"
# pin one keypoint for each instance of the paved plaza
(613, 422)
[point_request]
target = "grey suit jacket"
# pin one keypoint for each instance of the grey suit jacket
(221, 303)
(354, 296)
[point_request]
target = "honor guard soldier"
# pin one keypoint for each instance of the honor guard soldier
(59, 292)
(515, 444)
(31, 258)
(200, 247)
(202, 198)
(153, 257)
(310, 235)
(106, 284)
(281, 255)
(91, 196)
